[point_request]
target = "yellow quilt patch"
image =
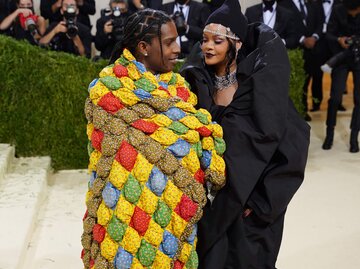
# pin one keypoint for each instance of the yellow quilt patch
(103, 214)
(124, 210)
(108, 248)
(148, 201)
(131, 241)
(118, 175)
(172, 195)
(142, 168)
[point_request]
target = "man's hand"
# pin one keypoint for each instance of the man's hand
(138, 4)
(309, 42)
(60, 28)
(342, 42)
(79, 45)
(108, 27)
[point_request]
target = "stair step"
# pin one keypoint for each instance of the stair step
(56, 239)
(22, 191)
(7, 154)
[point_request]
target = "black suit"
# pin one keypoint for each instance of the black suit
(340, 25)
(284, 24)
(198, 14)
(312, 25)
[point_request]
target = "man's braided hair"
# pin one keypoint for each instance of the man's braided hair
(143, 25)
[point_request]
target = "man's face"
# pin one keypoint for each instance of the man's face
(67, 3)
(122, 6)
(25, 4)
(165, 63)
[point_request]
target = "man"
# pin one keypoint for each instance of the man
(344, 28)
(74, 38)
(190, 17)
(308, 24)
(50, 9)
(108, 27)
(277, 17)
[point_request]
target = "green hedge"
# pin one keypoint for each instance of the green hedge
(297, 78)
(42, 96)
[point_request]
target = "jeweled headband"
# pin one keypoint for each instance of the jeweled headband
(228, 33)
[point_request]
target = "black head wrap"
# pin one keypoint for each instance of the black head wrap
(230, 15)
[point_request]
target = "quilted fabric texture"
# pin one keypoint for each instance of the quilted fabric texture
(151, 152)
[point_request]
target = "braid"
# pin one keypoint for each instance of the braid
(144, 25)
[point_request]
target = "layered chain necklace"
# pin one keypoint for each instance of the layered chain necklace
(223, 82)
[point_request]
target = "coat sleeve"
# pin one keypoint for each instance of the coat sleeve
(285, 172)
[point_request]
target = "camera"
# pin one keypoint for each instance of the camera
(29, 23)
(352, 53)
(118, 22)
(179, 20)
(70, 19)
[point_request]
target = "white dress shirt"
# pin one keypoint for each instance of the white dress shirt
(269, 17)
(185, 11)
(327, 11)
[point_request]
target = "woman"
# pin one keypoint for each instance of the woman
(151, 152)
(23, 23)
(242, 78)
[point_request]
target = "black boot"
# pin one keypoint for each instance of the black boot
(329, 138)
(354, 144)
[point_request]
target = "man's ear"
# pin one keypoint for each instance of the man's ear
(143, 48)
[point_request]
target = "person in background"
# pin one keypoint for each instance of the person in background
(343, 34)
(109, 27)
(190, 17)
(23, 23)
(68, 35)
(308, 19)
(50, 9)
(276, 17)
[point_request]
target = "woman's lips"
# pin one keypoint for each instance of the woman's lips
(209, 55)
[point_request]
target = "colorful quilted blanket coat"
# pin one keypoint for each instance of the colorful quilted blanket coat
(152, 155)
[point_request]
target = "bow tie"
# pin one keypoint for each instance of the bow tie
(270, 8)
(326, 1)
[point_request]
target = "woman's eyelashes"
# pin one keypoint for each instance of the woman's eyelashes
(216, 41)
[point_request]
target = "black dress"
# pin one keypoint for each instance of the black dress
(267, 148)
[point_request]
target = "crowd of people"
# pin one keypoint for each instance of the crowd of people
(321, 28)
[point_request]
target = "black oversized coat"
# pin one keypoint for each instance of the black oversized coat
(267, 146)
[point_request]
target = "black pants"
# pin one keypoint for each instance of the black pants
(249, 243)
(338, 83)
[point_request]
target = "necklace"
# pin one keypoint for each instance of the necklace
(224, 82)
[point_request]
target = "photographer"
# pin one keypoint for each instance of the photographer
(68, 35)
(109, 27)
(50, 9)
(189, 17)
(23, 23)
(343, 35)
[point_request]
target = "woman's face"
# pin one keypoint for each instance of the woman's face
(25, 4)
(214, 46)
(156, 63)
